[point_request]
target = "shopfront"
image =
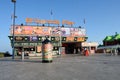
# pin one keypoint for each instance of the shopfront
(28, 39)
(91, 46)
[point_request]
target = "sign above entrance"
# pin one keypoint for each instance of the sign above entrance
(38, 21)
(67, 22)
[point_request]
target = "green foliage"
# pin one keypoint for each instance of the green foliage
(1, 54)
(5, 54)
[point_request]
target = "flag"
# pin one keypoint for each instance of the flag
(84, 21)
(51, 12)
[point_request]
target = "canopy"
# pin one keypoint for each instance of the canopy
(109, 47)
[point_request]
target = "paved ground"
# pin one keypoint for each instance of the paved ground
(96, 67)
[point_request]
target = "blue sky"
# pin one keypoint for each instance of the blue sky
(102, 16)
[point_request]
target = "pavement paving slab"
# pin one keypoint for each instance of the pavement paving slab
(69, 67)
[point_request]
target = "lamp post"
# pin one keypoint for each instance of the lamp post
(13, 47)
(60, 42)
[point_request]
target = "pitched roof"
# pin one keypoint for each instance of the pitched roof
(112, 38)
(108, 38)
(117, 37)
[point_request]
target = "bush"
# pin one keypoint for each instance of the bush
(1, 54)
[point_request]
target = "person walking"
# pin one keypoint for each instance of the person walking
(86, 52)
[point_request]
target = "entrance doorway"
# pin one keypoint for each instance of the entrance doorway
(72, 47)
(69, 48)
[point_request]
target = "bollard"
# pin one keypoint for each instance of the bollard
(47, 51)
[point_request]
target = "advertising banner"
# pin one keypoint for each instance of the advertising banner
(55, 31)
(65, 31)
(77, 32)
(49, 31)
(31, 30)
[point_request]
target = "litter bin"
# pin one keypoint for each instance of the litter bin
(47, 51)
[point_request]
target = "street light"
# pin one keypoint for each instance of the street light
(13, 47)
(60, 42)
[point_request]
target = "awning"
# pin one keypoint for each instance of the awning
(109, 47)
